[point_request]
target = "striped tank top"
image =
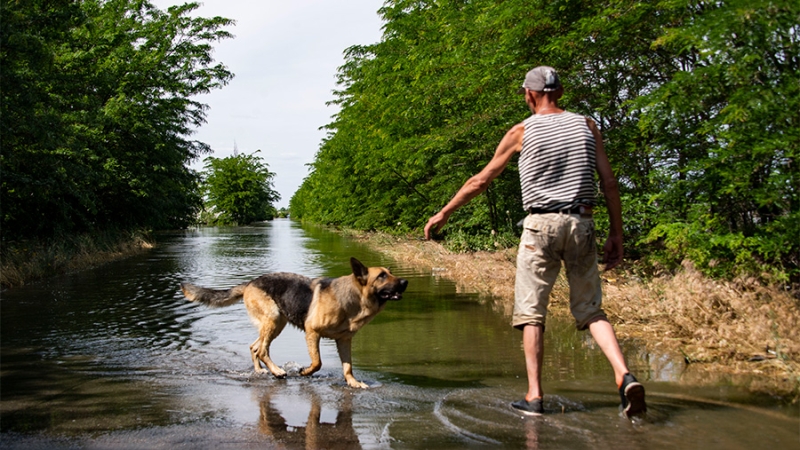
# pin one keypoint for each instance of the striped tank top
(557, 162)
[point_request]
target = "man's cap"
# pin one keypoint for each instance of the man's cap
(541, 79)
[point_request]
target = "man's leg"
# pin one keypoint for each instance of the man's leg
(537, 269)
(586, 297)
(586, 292)
(533, 345)
(603, 334)
(631, 392)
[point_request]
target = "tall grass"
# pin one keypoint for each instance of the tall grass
(741, 324)
(24, 261)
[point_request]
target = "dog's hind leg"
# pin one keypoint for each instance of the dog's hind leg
(259, 349)
(269, 320)
(312, 340)
(254, 352)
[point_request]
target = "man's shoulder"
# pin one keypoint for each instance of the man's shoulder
(575, 115)
(514, 134)
(518, 128)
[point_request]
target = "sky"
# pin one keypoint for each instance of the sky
(284, 56)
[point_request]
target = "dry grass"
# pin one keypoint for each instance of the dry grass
(738, 328)
(720, 329)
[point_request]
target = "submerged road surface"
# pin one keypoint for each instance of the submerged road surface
(116, 358)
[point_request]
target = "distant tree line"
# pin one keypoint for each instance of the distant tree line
(699, 103)
(98, 100)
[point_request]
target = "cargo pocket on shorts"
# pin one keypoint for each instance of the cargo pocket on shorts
(536, 240)
(586, 245)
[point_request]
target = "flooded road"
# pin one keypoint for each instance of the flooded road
(117, 358)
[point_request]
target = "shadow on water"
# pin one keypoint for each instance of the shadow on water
(116, 358)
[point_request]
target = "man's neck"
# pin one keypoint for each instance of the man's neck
(549, 109)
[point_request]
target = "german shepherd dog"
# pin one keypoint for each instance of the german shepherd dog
(334, 308)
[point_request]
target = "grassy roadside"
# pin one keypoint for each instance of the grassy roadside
(736, 332)
(25, 261)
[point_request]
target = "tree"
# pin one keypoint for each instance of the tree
(98, 103)
(697, 102)
(726, 130)
(239, 190)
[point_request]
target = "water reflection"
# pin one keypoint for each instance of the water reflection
(116, 355)
(532, 434)
(279, 420)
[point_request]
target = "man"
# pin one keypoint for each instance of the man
(559, 153)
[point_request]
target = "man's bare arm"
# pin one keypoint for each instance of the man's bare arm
(612, 250)
(509, 145)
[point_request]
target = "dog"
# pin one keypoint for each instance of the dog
(334, 308)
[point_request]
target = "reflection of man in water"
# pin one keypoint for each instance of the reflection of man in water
(559, 153)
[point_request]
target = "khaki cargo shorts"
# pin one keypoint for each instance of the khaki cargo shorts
(547, 240)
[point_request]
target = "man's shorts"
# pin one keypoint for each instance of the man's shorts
(547, 240)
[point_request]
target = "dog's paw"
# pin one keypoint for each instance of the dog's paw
(306, 371)
(357, 384)
(280, 375)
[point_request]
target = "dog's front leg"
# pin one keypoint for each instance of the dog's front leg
(312, 341)
(344, 345)
(313, 438)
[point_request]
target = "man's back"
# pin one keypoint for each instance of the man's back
(557, 162)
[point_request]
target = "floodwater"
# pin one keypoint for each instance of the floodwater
(116, 358)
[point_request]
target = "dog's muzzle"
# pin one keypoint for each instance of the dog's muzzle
(395, 292)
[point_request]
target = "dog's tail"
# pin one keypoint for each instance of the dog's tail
(213, 298)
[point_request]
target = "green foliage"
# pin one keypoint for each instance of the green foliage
(728, 140)
(238, 190)
(98, 97)
(461, 242)
(413, 124)
(697, 102)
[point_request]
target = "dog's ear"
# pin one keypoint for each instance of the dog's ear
(360, 271)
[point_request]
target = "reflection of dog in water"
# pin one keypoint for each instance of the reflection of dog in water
(334, 308)
(316, 434)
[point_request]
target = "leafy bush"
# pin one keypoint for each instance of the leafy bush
(238, 190)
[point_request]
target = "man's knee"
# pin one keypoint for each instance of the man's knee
(522, 326)
(585, 324)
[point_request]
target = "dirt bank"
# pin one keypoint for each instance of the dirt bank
(26, 261)
(737, 331)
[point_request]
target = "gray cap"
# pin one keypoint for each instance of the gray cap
(541, 79)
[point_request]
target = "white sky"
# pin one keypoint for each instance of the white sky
(284, 56)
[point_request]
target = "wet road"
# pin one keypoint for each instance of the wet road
(117, 358)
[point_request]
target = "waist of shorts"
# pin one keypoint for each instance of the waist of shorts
(580, 209)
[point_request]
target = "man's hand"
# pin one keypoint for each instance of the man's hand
(612, 252)
(435, 223)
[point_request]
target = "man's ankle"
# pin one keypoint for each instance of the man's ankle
(620, 379)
